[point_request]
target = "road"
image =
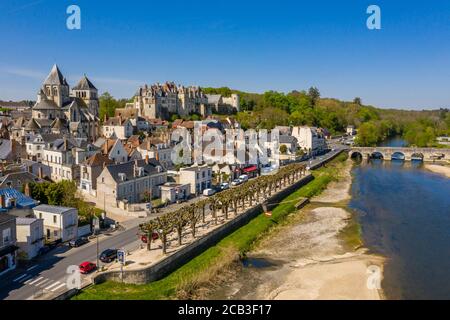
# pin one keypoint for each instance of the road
(49, 273)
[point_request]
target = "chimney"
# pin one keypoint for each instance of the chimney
(104, 164)
(135, 166)
(120, 120)
(157, 155)
(27, 190)
(2, 201)
(65, 143)
(40, 174)
(148, 144)
(105, 148)
(105, 118)
(146, 159)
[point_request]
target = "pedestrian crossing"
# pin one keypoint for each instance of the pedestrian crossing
(40, 282)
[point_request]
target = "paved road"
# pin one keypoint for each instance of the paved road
(48, 274)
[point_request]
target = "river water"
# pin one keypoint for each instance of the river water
(404, 212)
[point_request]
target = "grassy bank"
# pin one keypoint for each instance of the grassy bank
(217, 259)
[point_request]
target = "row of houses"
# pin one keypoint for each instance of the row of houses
(26, 227)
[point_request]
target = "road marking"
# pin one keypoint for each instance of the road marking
(31, 268)
(42, 282)
(26, 279)
(58, 287)
(35, 280)
(21, 277)
(52, 285)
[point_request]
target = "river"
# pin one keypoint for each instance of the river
(404, 212)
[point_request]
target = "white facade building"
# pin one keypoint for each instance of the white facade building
(199, 177)
(59, 222)
(309, 139)
(30, 236)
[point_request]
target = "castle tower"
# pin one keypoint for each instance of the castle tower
(56, 88)
(86, 91)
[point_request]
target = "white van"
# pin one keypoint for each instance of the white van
(208, 192)
(243, 178)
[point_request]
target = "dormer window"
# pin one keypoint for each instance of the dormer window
(122, 177)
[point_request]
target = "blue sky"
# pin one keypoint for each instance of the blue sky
(248, 45)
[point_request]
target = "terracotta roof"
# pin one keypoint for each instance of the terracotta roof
(115, 121)
(98, 159)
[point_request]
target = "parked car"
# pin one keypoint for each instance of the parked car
(144, 238)
(236, 182)
(208, 192)
(78, 242)
(224, 186)
(243, 178)
(87, 267)
(109, 255)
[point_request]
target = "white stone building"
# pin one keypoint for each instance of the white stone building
(199, 177)
(310, 139)
(60, 223)
(118, 127)
(30, 236)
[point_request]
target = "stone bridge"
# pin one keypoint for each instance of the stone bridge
(408, 154)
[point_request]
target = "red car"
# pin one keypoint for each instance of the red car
(154, 237)
(87, 267)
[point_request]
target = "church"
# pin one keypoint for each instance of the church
(61, 110)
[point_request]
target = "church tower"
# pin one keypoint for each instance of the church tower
(86, 91)
(55, 87)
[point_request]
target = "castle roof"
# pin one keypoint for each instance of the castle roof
(84, 84)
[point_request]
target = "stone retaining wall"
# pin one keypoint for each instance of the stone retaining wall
(187, 253)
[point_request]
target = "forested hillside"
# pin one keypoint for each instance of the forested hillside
(272, 108)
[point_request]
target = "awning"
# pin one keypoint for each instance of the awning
(250, 169)
(8, 250)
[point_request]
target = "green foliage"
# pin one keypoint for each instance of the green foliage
(283, 149)
(64, 194)
(108, 105)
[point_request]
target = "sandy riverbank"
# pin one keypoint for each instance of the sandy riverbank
(444, 170)
(307, 258)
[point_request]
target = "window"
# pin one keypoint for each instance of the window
(55, 219)
(6, 236)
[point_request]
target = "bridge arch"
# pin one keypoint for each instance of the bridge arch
(377, 155)
(355, 154)
(398, 155)
(417, 156)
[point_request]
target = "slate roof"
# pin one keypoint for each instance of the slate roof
(287, 139)
(4, 217)
(5, 148)
(46, 104)
(84, 84)
(32, 125)
(52, 209)
(55, 77)
(127, 168)
(25, 221)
